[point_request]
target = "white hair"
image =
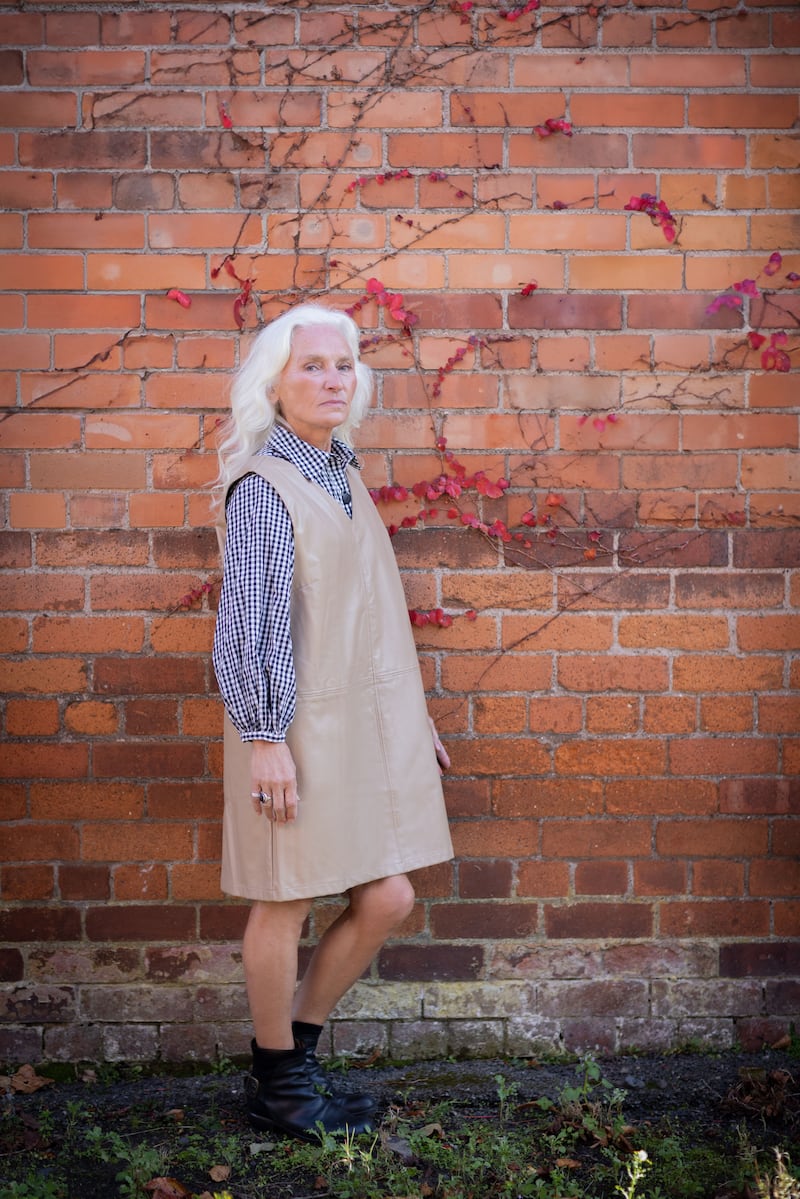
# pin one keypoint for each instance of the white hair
(252, 414)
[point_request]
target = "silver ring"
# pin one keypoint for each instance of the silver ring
(255, 795)
(264, 798)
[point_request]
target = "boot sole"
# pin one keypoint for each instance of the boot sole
(312, 1135)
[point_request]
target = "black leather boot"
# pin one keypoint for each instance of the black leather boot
(282, 1097)
(357, 1103)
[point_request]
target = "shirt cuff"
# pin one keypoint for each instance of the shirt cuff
(276, 737)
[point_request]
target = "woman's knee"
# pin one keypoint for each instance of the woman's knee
(277, 918)
(389, 900)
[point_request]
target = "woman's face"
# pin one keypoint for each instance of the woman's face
(315, 389)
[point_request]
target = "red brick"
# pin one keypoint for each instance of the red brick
(546, 797)
(612, 714)
(94, 150)
(594, 920)
(687, 797)
(47, 676)
(12, 966)
(32, 717)
(146, 760)
(761, 795)
(717, 837)
(595, 839)
(660, 878)
(601, 878)
(580, 672)
(545, 879)
(484, 880)
(85, 799)
(707, 918)
(141, 923)
(478, 921)
(53, 634)
(718, 673)
(718, 878)
(40, 924)
(496, 838)
(141, 882)
(774, 878)
(742, 589)
(727, 714)
(15, 552)
(84, 882)
(441, 962)
(26, 882)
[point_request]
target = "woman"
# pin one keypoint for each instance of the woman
(332, 784)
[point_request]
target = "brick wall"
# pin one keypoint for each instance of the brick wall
(621, 701)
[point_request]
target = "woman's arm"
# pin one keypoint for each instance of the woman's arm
(252, 653)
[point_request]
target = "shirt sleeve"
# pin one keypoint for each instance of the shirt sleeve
(252, 654)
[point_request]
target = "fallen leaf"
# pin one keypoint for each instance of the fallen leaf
(567, 1163)
(219, 1173)
(399, 1146)
(26, 1080)
(166, 1188)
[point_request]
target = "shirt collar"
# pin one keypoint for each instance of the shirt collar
(284, 443)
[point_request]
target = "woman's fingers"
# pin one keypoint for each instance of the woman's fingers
(274, 785)
(442, 756)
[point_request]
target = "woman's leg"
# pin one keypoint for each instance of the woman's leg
(269, 954)
(345, 950)
(283, 1089)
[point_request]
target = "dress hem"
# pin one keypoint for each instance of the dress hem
(339, 888)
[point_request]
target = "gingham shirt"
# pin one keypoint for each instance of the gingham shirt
(252, 655)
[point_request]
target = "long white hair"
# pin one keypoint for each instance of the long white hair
(252, 414)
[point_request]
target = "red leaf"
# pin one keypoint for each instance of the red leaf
(181, 297)
(529, 288)
(774, 264)
(756, 340)
(224, 115)
(554, 500)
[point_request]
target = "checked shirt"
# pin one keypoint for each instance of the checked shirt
(252, 654)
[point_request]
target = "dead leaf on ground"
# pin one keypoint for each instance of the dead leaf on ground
(166, 1188)
(770, 1094)
(399, 1146)
(26, 1080)
(431, 1130)
(219, 1173)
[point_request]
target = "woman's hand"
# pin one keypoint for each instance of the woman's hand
(442, 756)
(273, 775)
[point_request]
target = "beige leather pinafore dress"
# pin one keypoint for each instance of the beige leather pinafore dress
(371, 801)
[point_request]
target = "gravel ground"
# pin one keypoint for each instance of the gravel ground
(706, 1096)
